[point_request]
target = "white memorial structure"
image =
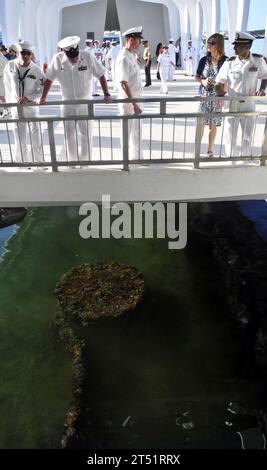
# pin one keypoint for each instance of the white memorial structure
(44, 22)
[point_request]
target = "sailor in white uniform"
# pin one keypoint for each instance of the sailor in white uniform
(129, 84)
(98, 53)
(239, 75)
(89, 45)
(75, 69)
(172, 54)
(164, 63)
(189, 59)
(3, 62)
(111, 58)
(24, 82)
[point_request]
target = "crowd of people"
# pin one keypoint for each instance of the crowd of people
(78, 72)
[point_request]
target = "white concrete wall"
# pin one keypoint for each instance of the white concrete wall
(139, 184)
(79, 19)
(149, 15)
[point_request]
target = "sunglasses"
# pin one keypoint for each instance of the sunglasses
(26, 53)
(211, 43)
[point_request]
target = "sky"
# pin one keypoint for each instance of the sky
(257, 15)
(256, 20)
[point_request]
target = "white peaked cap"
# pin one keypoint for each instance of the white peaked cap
(243, 38)
(25, 46)
(135, 32)
(171, 40)
(69, 42)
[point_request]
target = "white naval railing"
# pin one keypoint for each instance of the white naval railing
(170, 134)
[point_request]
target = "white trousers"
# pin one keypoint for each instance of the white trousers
(113, 71)
(134, 132)
(171, 72)
(189, 67)
(163, 71)
(94, 86)
(24, 153)
(78, 132)
(231, 130)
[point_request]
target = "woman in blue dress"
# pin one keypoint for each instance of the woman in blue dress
(207, 71)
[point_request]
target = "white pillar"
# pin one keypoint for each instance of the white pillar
(10, 20)
(194, 15)
(232, 9)
(209, 14)
(217, 10)
(242, 16)
(265, 41)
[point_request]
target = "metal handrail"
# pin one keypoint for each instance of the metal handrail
(124, 160)
(156, 99)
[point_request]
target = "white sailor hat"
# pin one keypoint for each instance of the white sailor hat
(69, 42)
(171, 40)
(134, 32)
(14, 47)
(24, 46)
(243, 38)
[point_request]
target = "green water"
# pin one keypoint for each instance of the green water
(180, 351)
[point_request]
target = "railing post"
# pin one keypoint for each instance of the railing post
(19, 111)
(198, 142)
(90, 109)
(162, 109)
(125, 143)
(52, 145)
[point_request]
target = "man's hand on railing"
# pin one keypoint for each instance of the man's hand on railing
(137, 109)
(42, 100)
(260, 93)
(107, 98)
(2, 99)
(24, 100)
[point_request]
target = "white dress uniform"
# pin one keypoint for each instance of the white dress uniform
(3, 62)
(111, 58)
(172, 54)
(98, 53)
(128, 70)
(164, 61)
(241, 78)
(189, 60)
(25, 81)
(76, 84)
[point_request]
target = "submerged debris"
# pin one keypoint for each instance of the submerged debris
(91, 292)
(101, 290)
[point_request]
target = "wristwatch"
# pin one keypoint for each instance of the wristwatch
(106, 94)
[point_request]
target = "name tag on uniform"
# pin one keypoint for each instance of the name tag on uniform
(82, 67)
(253, 68)
(32, 76)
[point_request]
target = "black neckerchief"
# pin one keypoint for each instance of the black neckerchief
(21, 81)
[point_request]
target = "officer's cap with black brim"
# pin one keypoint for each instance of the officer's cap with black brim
(243, 38)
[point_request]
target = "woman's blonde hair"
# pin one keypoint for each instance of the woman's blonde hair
(219, 39)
